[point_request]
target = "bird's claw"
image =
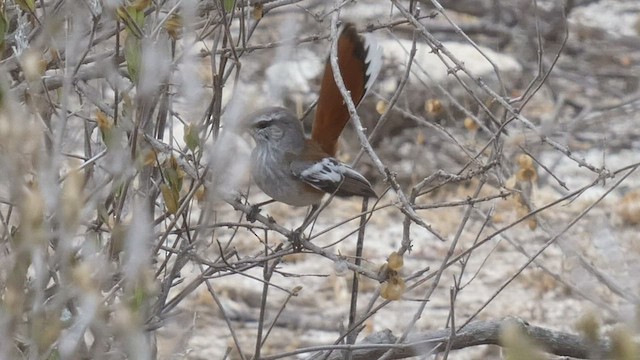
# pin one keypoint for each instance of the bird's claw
(296, 240)
(253, 213)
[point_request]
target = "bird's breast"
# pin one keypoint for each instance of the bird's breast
(271, 171)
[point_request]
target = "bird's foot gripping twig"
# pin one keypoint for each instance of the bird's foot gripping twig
(253, 213)
(297, 234)
(296, 239)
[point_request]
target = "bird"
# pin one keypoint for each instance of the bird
(297, 170)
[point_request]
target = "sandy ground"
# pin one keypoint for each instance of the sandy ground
(317, 313)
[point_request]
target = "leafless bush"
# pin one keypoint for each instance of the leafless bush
(124, 190)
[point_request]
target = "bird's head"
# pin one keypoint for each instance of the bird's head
(275, 126)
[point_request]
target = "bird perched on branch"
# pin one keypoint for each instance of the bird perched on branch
(297, 170)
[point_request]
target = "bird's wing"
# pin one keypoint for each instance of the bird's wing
(333, 177)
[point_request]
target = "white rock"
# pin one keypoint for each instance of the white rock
(615, 17)
(294, 74)
(429, 68)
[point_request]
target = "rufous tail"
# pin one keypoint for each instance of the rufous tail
(359, 61)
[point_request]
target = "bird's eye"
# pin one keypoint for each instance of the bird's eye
(262, 124)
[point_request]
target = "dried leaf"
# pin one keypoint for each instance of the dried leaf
(258, 11)
(171, 198)
(140, 5)
(72, 199)
(105, 124)
(201, 193)
(173, 25)
(149, 157)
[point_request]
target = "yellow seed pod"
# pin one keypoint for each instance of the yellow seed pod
(201, 193)
(524, 161)
(381, 106)
(626, 60)
(433, 107)
(33, 208)
(420, 138)
(395, 261)
(470, 124)
(526, 175)
(498, 218)
(258, 11)
(517, 344)
(527, 171)
(72, 199)
(393, 289)
(623, 345)
(33, 65)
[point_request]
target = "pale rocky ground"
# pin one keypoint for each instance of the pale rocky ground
(605, 237)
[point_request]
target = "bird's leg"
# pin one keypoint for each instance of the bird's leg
(255, 210)
(310, 217)
(298, 233)
(296, 240)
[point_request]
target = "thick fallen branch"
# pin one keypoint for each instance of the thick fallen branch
(476, 333)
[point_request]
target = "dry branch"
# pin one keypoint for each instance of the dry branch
(475, 334)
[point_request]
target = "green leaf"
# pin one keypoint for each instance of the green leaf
(173, 175)
(228, 5)
(54, 355)
(191, 137)
(4, 25)
(138, 16)
(133, 19)
(139, 295)
(27, 5)
(133, 55)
